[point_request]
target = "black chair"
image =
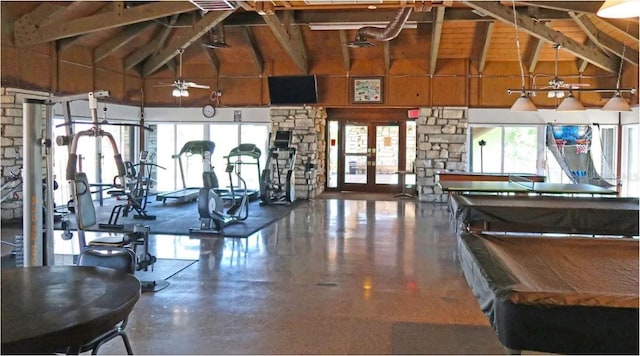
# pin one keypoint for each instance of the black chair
(120, 258)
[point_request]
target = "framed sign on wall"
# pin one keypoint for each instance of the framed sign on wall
(367, 90)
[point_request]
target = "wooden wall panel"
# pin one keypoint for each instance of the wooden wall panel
(35, 69)
(327, 67)
(333, 91)
(9, 67)
(74, 78)
(449, 86)
(414, 67)
(241, 91)
(111, 81)
(367, 68)
(408, 91)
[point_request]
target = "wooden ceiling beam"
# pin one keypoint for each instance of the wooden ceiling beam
(43, 12)
(253, 48)
(346, 56)
(154, 46)
(538, 30)
(532, 54)
(184, 39)
(353, 16)
(567, 6)
(81, 8)
(211, 57)
(436, 35)
(119, 40)
(289, 37)
(482, 42)
(604, 40)
(28, 34)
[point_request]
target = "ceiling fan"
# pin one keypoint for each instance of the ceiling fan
(557, 84)
(181, 86)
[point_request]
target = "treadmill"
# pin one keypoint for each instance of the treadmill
(189, 194)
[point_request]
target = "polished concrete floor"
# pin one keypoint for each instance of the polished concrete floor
(336, 276)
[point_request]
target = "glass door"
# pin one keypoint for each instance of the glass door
(372, 154)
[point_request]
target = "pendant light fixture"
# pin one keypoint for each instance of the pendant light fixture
(524, 102)
(619, 9)
(617, 102)
(570, 103)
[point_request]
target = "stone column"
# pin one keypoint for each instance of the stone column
(11, 154)
(442, 141)
(308, 125)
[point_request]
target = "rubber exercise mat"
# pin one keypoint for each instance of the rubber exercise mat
(176, 219)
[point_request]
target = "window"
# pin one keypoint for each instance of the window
(229, 136)
(631, 161)
(504, 149)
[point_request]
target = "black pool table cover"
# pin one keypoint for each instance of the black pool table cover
(556, 294)
(583, 215)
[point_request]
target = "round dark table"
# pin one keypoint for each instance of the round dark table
(45, 309)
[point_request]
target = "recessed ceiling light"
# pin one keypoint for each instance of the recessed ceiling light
(372, 7)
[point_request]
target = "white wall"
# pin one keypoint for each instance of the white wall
(117, 112)
(195, 115)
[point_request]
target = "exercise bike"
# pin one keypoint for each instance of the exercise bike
(213, 219)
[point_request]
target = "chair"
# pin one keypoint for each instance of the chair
(86, 213)
(120, 258)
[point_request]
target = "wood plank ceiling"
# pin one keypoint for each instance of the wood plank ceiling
(280, 37)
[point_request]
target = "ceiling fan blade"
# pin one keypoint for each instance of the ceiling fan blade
(164, 85)
(575, 85)
(194, 85)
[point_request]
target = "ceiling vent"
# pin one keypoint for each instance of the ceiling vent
(214, 5)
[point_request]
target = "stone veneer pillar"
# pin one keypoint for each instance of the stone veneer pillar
(309, 134)
(442, 145)
(11, 154)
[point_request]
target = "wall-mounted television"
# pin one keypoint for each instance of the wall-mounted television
(293, 90)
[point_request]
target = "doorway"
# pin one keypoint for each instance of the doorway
(372, 154)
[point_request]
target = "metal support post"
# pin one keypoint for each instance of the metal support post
(32, 183)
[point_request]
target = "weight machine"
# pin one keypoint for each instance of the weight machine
(81, 193)
(136, 193)
(277, 184)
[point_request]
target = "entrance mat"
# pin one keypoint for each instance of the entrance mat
(177, 219)
(444, 339)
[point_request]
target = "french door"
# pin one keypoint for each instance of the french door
(373, 154)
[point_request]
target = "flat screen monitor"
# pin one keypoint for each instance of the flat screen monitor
(289, 90)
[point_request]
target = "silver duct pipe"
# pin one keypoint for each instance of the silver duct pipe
(382, 34)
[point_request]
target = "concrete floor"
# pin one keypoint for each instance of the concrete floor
(336, 276)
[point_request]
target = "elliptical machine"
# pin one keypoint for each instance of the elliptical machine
(213, 219)
(277, 184)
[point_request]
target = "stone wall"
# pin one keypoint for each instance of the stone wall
(11, 151)
(309, 138)
(442, 145)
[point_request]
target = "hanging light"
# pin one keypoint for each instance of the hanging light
(619, 9)
(616, 103)
(184, 92)
(176, 92)
(523, 103)
(570, 103)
